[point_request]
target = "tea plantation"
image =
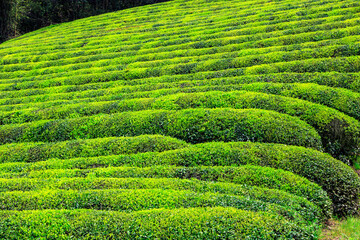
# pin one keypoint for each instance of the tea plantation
(189, 119)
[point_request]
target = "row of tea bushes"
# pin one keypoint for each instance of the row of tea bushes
(206, 62)
(188, 223)
(338, 131)
(249, 176)
(32, 152)
(341, 99)
(339, 181)
(228, 76)
(192, 125)
(336, 16)
(335, 47)
(248, 107)
(130, 200)
(340, 64)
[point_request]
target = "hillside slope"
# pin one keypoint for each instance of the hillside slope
(190, 119)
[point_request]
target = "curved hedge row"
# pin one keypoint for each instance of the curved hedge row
(223, 77)
(346, 64)
(299, 204)
(126, 54)
(218, 61)
(340, 133)
(338, 180)
(341, 99)
(192, 125)
(142, 199)
(32, 152)
(339, 48)
(247, 175)
(88, 93)
(109, 92)
(192, 223)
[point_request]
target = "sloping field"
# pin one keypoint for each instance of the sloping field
(190, 119)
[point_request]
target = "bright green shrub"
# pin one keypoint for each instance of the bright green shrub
(299, 204)
(254, 43)
(350, 64)
(209, 38)
(350, 81)
(247, 175)
(190, 223)
(223, 51)
(341, 99)
(140, 73)
(141, 199)
(340, 182)
(32, 152)
(74, 110)
(340, 133)
(218, 61)
(73, 122)
(193, 125)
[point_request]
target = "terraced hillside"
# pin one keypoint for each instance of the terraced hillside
(190, 119)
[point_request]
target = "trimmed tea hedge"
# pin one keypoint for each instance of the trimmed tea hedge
(247, 175)
(141, 199)
(338, 180)
(32, 152)
(193, 107)
(341, 99)
(193, 223)
(193, 126)
(266, 195)
(340, 133)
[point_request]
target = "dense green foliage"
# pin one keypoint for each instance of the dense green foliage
(340, 181)
(141, 199)
(193, 223)
(22, 16)
(189, 119)
(193, 125)
(33, 152)
(246, 175)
